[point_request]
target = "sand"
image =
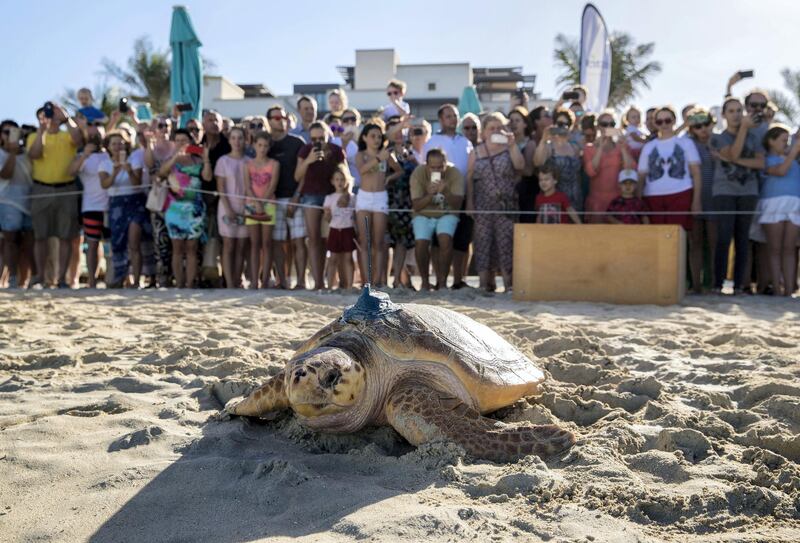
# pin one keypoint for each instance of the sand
(687, 420)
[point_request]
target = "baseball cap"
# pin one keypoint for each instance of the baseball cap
(628, 175)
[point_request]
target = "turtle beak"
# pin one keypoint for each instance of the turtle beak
(330, 379)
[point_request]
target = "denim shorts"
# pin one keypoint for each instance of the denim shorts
(425, 227)
(312, 199)
(13, 200)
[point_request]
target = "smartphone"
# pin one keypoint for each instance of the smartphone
(436, 177)
(570, 95)
(558, 131)
(500, 139)
(317, 147)
(123, 105)
(417, 131)
(14, 134)
(49, 112)
(744, 74)
(183, 106)
(612, 132)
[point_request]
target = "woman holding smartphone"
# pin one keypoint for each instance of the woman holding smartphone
(602, 161)
(493, 171)
(556, 150)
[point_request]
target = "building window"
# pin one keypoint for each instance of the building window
(431, 86)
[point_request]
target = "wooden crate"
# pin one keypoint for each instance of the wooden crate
(620, 264)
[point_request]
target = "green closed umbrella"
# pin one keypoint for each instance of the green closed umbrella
(469, 101)
(186, 80)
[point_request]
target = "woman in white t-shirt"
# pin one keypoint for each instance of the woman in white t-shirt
(669, 173)
(91, 165)
(128, 217)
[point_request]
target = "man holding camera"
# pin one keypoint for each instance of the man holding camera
(756, 103)
(457, 148)
(54, 207)
(437, 188)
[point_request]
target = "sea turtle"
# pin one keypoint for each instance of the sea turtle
(429, 372)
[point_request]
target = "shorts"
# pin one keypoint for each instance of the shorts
(93, 225)
(424, 227)
(54, 214)
(463, 234)
(375, 202)
(680, 201)
(288, 227)
(266, 207)
(15, 206)
(341, 240)
(312, 199)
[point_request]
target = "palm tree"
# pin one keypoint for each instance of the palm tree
(147, 75)
(629, 69)
(788, 105)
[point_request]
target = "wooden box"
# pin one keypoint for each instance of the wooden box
(619, 264)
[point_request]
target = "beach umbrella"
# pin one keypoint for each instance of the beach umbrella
(186, 80)
(469, 101)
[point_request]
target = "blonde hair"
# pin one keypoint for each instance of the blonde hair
(342, 96)
(348, 177)
(628, 111)
(495, 116)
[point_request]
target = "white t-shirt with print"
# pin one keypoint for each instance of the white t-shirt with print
(341, 217)
(95, 197)
(666, 163)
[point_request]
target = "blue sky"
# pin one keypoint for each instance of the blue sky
(700, 43)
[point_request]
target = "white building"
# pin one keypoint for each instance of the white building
(428, 87)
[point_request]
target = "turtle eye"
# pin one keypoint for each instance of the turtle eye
(331, 378)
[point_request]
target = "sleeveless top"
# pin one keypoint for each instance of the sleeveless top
(495, 181)
(260, 178)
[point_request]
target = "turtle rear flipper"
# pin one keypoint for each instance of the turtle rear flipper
(421, 414)
(266, 399)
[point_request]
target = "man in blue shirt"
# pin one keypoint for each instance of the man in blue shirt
(307, 108)
(457, 148)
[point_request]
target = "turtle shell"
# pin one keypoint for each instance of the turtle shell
(492, 370)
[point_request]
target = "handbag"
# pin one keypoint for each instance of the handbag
(157, 197)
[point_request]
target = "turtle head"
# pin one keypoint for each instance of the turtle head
(324, 381)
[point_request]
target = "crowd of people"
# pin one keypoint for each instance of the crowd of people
(275, 201)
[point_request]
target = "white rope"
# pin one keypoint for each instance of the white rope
(393, 210)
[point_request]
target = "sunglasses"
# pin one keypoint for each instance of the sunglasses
(698, 126)
(561, 124)
(607, 124)
(277, 118)
(336, 128)
(162, 126)
(662, 121)
(348, 119)
(256, 126)
(469, 127)
(758, 105)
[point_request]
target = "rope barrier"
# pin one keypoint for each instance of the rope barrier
(403, 210)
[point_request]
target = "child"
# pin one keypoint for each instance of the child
(260, 181)
(631, 122)
(87, 109)
(622, 207)
(339, 212)
(553, 206)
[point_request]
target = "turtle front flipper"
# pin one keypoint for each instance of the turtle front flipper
(266, 399)
(421, 415)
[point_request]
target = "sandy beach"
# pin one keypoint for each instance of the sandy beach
(688, 423)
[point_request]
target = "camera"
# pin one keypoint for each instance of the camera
(49, 111)
(417, 132)
(123, 105)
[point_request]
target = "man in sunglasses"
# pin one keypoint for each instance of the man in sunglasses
(288, 225)
(395, 91)
(307, 108)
